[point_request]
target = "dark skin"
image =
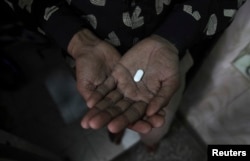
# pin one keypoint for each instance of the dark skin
(105, 80)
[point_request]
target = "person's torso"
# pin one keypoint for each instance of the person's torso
(122, 22)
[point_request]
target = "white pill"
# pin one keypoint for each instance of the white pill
(138, 75)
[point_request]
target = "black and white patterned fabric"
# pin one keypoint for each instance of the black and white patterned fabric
(122, 23)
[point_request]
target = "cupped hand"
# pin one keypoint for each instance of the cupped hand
(94, 60)
(137, 104)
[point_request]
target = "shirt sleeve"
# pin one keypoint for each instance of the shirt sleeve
(53, 17)
(193, 20)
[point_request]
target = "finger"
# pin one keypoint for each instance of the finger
(104, 117)
(156, 120)
(109, 100)
(88, 116)
(105, 103)
(132, 114)
(145, 126)
(161, 112)
(141, 126)
(101, 91)
(135, 112)
(115, 96)
(161, 99)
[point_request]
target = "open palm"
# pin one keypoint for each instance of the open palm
(136, 104)
(94, 59)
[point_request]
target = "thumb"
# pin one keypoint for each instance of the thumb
(161, 99)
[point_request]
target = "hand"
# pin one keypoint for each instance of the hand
(131, 101)
(94, 62)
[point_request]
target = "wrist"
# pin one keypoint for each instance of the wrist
(83, 39)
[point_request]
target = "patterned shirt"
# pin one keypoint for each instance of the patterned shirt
(124, 22)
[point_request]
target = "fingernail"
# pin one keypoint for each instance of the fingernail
(84, 125)
(89, 104)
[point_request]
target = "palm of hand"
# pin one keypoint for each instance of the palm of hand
(93, 66)
(136, 99)
(160, 66)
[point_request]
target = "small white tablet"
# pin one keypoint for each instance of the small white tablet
(138, 75)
